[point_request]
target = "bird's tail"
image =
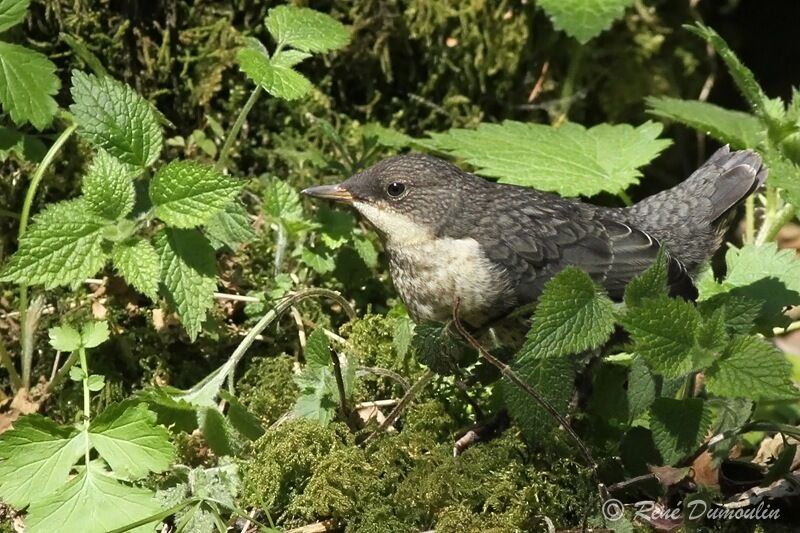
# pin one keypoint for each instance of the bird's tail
(691, 217)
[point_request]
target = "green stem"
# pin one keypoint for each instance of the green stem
(8, 364)
(237, 126)
(626, 199)
(750, 220)
(774, 223)
(568, 88)
(25, 216)
(7, 213)
(62, 372)
(87, 407)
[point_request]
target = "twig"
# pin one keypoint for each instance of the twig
(386, 373)
(337, 373)
(537, 87)
(377, 403)
(301, 328)
(415, 389)
(632, 481)
(236, 297)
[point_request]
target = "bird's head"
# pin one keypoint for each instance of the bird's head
(407, 198)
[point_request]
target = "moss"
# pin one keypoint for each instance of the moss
(284, 461)
(267, 388)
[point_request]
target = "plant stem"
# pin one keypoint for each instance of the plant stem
(773, 224)
(237, 126)
(8, 364)
(750, 220)
(23, 225)
(87, 413)
(7, 213)
(62, 372)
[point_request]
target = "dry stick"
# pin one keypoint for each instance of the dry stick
(337, 373)
(415, 389)
(512, 376)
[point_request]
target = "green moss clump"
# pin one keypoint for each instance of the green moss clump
(285, 459)
(267, 388)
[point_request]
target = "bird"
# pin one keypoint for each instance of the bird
(450, 235)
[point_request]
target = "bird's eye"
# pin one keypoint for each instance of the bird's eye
(395, 188)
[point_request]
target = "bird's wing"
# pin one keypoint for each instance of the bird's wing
(533, 243)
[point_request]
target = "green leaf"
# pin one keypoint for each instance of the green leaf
(96, 382)
(92, 502)
(278, 80)
(743, 76)
(108, 187)
(663, 330)
(642, 390)
(217, 431)
(137, 261)
(320, 263)
(188, 272)
(94, 333)
(127, 438)
(37, 456)
(570, 160)
(12, 12)
(651, 283)
(20, 145)
(366, 251)
(240, 418)
(403, 335)
(751, 367)
(230, 227)
(440, 349)
(584, 19)
(552, 377)
(318, 395)
(76, 373)
(739, 312)
(387, 137)
(281, 201)
(573, 315)
(740, 130)
(678, 426)
(306, 29)
(27, 85)
(116, 118)
(187, 194)
(317, 353)
(62, 246)
(64, 338)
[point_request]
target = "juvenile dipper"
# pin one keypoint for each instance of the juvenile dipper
(449, 234)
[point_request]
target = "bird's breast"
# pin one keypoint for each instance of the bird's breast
(430, 276)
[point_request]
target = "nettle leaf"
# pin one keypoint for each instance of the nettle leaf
(740, 130)
(108, 187)
(551, 377)
(217, 431)
(92, 502)
(366, 251)
(187, 193)
(278, 80)
(751, 367)
(138, 262)
(230, 227)
(651, 283)
(37, 455)
(573, 315)
(440, 349)
(318, 352)
(281, 201)
(116, 118)
(240, 418)
(127, 438)
(321, 263)
(12, 12)
(642, 389)
(570, 160)
(584, 19)
(27, 85)
(679, 426)
(663, 330)
(306, 29)
(62, 246)
(188, 272)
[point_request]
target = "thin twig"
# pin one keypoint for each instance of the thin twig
(236, 297)
(301, 328)
(415, 389)
(377, 403)
(337, 373)
(385, 373)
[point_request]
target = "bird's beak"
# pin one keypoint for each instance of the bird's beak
(330, 192)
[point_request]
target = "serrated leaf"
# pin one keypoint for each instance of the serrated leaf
(289, 58)
(138, 262)
(187, 193)
(92, 502)
(178, 414)
(572, 315)
(278, 80)
(306, 29)
(64, 338)
(402, 336)
(651, 283)
(739, 312)
(94, 333)
(584, 19)
(62, 246)
(318, 395)
(570, 160)
(318, 262)
(281, 201)
(552, 377)
(241, 418)
(127, 438)
(642, 390)
(230, 227)
(116, 118)
(387, 137)
(108, 187)
(188, 272)
(740, 130)
(216, 431)
(663, 330)
(366, 251)
(750, 367)
(317, 352)
(440, 349)
(27, 85)
(12, 12)
(678, 426)
(37, 456)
